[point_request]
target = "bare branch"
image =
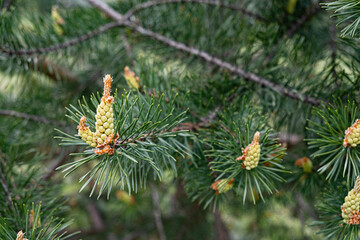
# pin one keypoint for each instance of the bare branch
(206, 56)
(35, 118)
(6, 4)
(107, 9)
(74, 41)
(221, 231)
(149, 4)
(157, 212)
(225, 65)
(95, 217)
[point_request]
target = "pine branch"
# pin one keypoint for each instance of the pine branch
(56, 47)
(206, 56)
(348, 14)
(180, 46)
(149, 4)
(35, 118)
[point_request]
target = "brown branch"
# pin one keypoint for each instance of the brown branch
(35, 118)
(149, 4)
(206, 56)
(74, 41)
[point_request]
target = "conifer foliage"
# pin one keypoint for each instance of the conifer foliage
(187, 119)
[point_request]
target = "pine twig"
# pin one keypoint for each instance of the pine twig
(69, 43)
(35, 118)
(234, 7)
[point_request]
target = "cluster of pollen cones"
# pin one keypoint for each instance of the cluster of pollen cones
(352, 135)
(350, 208)
(20, 236)
(251, 154)
(104, 138)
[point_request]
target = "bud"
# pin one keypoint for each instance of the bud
(251, 154)
(290, 7)
(305, 163)
(125, 197)
(352, 135)
(57, 20)
(131, 80)
(222, 185)
(350, 208)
